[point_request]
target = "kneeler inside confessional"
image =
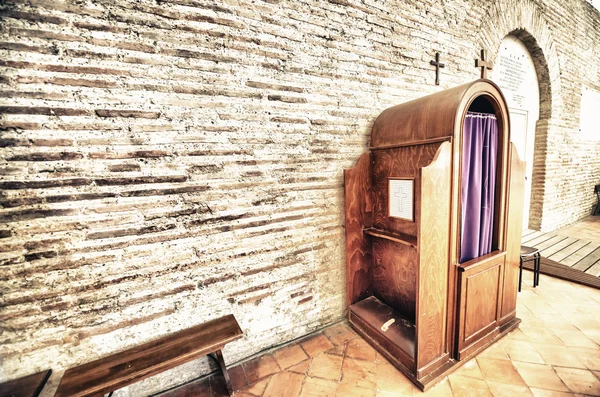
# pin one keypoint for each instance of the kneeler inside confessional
(433, 214)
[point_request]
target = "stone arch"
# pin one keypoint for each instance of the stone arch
(525, 20)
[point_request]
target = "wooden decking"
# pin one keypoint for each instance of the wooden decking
(572, 253)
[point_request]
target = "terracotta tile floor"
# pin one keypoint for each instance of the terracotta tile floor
(555, 352)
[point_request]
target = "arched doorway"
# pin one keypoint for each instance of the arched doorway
(516, 75)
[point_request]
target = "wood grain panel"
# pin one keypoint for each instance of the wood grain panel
(434, 230)
(395, 275)
(481, 307)
(513, 235)
(479, 284)
(428, 117)
(398, 162)
(113, 372)
(357, 188)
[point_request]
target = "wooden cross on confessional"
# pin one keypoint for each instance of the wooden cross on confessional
(437, 65)
(483, 64)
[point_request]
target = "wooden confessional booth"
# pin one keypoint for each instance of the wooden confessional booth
(433, 231)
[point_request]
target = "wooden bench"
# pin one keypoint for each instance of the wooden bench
(27, 386)
(124, 368)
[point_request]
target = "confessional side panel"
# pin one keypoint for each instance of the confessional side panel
(402, 162)
(434, 235)
(513, 238)
(357, 192)
(395, 275)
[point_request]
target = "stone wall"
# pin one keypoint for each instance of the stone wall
(167, 162)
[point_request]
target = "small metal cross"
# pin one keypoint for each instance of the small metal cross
(437, 65)
(483, 64)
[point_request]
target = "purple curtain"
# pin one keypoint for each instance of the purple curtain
(479, 155)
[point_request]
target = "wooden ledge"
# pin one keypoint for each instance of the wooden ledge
(401, 238)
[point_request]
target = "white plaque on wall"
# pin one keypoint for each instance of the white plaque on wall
(590, 115)
(401, 199)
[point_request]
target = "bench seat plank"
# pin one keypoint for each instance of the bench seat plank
(27, 386)
(124, 368)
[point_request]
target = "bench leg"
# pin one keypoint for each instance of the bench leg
(538, 261)
(224, 370)
(520, 272)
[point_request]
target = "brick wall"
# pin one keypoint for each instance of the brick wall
(168, 162)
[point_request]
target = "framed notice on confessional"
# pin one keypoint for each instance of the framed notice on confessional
(401, 198)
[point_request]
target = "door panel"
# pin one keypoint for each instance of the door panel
(480, 295)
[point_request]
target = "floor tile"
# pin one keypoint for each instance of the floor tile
(540, 376)
(554, 321)
(539, 305)
(501, 371)
(389, 379)
(516, 334)
(558, 355)
(237, 376)
(518, 350)
(315, 387)
(463, 386)
(501, 389)
(549, 393)
(592, 334)
(301, 368)
(584, 322)
(579, 380)
(494, 351)
(258, 388)
(326, 366)
(530, 320)
(286, 384)
(575, 338)
(338, 350)
(442, 389)
(340, 333)
(316, 344)
(379, 393)
(359, 348)
(260, 368)
(346, 390)
(541, 335)
(470, 369)
(289, 356)
(241, 394)
(359, 373)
